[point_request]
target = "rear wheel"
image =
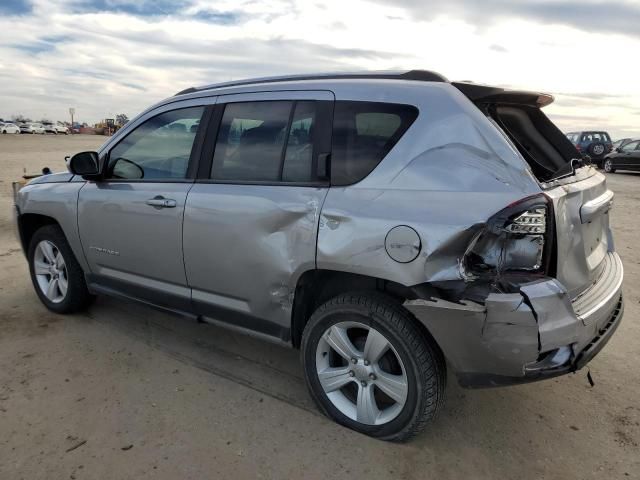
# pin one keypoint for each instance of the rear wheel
(56, 274)
(371, 368)
(608, 166)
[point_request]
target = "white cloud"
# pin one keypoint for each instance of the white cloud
(70, 53)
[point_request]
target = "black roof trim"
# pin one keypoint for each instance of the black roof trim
(417, 75)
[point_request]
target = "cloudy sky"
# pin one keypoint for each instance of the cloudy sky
(105, 57)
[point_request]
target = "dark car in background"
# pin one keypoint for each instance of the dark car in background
(596, 144)
(626, 157)
(621, 143)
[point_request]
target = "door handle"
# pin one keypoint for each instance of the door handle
(161, 202)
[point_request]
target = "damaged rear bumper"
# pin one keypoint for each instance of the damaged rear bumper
(536, 333)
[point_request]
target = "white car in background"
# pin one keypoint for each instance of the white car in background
(9, 128)
(32, 128)
(55, 128)
(61, 128)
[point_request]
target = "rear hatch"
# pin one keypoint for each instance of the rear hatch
(579, 193)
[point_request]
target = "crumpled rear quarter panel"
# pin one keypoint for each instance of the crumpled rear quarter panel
(449, 173)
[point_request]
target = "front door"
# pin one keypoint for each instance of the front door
(629, 157)
(251, 225)
(131, 222)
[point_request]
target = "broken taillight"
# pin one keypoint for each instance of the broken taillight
(516, 239)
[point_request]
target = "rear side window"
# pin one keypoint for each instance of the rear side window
(363, 133)
(268, 141)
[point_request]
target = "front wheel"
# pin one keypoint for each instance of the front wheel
(370, 367)
(608, 166)
(56, 274)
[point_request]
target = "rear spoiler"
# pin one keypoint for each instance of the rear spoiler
(485, 94)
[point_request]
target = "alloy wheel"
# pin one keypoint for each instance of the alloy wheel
(607, 166)
(361, 373)
(50, 271)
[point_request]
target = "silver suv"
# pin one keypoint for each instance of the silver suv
(389, 225)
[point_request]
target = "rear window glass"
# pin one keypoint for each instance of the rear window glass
(363, 133)
(596, 137)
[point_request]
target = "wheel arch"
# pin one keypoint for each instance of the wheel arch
(28, 225)
(315, 287)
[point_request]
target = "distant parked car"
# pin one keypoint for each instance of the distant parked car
(596, 144)
(32, 128)
(621, 143)
(626, 157)
(55, 128)
(9, 128)
(49, 127)
(60, 128)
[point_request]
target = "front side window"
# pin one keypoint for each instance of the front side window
(158, 149)
(268, 141)
(629, 147)
(363, 134)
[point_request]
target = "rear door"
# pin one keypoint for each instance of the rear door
(251, 219)
(131, 222)
(636, 157)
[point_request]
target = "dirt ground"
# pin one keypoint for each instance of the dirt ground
(125, 392)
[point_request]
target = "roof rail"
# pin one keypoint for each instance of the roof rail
(419, 75)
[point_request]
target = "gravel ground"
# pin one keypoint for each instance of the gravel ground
(126, 392)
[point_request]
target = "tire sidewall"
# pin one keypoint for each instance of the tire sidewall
(346, 312)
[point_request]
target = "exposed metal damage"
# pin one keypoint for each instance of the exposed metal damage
(512, 335)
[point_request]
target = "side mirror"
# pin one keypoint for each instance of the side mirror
(85, 164)
(619, 149)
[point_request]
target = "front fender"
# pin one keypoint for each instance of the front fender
(57, 201)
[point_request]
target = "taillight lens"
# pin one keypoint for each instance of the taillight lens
(516, 239)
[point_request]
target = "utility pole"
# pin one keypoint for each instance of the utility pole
(72, 111)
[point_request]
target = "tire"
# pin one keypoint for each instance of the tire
(411, 355)
(608, 166)
(596, 149)
(76, 297)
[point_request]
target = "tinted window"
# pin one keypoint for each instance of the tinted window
(157, 149)
(630, 146)
(268, 141)
(363, 133)
(299, 156)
